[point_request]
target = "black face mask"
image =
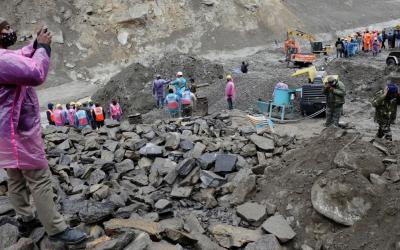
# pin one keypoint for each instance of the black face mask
(8, 39)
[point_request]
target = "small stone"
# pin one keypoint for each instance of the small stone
(230, 236)
(22, 244)
(210, 179)
(263, 143)
(378, 180)
(225, 163)
(278, 226)
(180, 237)
(193, 225)
(267, 242)
(162, 204)
(151, 150)
(96, 177)
(186, 166)
(125, 166)
(110, 145)
(186, 145)
(107, 155)
(252, 212)
(198, 150)
(172, 141)
(248, 150)
(141, 242)
(8, 235)
(145, 162)
(243, 188)
(118, 243)
(207, 160)
(181, 192)
(102, 193)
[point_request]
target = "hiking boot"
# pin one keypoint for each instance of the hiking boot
(69, 236)
(26, 228)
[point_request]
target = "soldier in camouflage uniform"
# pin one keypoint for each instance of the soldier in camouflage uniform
(335, 92)
(385, 103)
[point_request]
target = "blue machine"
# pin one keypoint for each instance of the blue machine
(283, 101)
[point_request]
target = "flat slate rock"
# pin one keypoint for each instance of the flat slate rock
(278, 226)
(262, 142)
(225, 163)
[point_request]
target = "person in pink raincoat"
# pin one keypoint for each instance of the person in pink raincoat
(230, 91)
(115, 110)
(21, 147)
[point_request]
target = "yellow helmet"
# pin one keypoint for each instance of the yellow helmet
(58, 106)
(228, 77)
(72, 103)
(78, 104)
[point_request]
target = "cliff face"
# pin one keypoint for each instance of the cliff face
(96, 38)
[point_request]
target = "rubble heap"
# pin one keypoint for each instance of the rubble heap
(211, 183)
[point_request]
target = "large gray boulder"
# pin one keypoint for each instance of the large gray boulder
(344, 197)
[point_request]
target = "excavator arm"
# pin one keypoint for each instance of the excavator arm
(300, 34)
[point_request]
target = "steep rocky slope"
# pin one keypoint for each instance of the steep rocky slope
(94, 39)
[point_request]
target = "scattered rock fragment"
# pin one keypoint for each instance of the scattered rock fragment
(278, 226)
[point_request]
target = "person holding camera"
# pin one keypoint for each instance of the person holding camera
(385, 103)
(335, 92)
(21, 146)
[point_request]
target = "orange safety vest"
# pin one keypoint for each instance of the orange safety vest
(98, 112)
(51, 115)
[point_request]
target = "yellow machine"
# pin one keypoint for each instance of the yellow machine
(314, 76)
(316, 47)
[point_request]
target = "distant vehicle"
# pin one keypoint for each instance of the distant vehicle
(393, 58)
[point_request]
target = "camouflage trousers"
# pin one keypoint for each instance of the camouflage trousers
(333, 114)
(384, 131)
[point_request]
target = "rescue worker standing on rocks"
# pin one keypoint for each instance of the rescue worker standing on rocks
(158, 91)
(21, 146)
(335, 97)
(230, 91)
(179, 84)
(81, 117)
(99, 115)
(188, 101)
(385, 103)
(115, 110)
(172, 102)
(59, 118)
(50, 113)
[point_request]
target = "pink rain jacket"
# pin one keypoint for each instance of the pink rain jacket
(21, 144)
(230, 90)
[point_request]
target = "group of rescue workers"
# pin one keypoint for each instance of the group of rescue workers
(368, 41)
(181, 98)
(81, 115)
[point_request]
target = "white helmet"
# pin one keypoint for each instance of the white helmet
(179, 73)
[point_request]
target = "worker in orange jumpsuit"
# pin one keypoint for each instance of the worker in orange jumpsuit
(367, 41)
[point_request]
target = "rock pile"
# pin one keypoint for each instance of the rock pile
(179, 182)
(213, 183)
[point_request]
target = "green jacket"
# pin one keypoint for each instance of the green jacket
(335, 96)
(385, 110)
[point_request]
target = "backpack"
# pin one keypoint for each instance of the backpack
(186, 98)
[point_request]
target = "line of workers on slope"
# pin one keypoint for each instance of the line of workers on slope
(181, 98)
(367, 41)
(82, 115)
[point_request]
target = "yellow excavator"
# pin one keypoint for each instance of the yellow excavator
(316, 47)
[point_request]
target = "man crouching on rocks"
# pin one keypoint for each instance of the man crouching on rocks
(21, 146)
